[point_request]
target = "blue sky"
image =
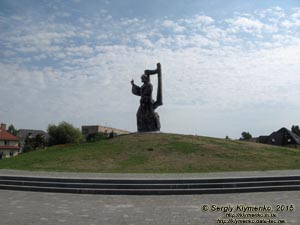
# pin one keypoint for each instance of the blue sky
(228, 66)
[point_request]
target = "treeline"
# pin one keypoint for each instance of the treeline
(63, 133)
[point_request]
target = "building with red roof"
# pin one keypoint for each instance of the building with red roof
(9, 144)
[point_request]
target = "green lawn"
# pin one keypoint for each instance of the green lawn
(158, 153)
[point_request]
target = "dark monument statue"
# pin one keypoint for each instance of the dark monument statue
(147, 119)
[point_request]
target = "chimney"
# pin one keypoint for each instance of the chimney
(3, 126)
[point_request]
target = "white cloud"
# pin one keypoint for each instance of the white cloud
(82, 50)
(127, 22)
(273, 14)
(200, 20)
(143, 40)
(294, 22)
(246, 25)
(174, 26)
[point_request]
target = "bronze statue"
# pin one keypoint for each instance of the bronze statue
(147, 118)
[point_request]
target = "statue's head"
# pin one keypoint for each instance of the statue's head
(144, 78)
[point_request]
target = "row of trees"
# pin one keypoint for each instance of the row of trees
(63, 133)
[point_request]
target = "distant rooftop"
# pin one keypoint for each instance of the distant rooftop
(4, 135)
(23, 133)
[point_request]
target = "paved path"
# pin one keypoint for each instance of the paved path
(34, 208)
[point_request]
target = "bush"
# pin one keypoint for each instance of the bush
(246, 136)
(34, 143)
(28, 148)
(64, 133)
(96, 137)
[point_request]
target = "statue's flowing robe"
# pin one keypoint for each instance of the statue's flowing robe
(147, 119)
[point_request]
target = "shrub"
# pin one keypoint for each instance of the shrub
(96, 137)
(34, 143)
(64, 133)
(246, 135)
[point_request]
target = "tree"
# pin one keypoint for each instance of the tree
(246, 135)
(296, 130)
(28, 145)
(64, 133)
(39, 141)
(34, 143)
(11, 129)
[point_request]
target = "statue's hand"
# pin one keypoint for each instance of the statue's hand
(132, 82)
(147, 72)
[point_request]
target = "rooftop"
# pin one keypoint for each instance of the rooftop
(5, 136)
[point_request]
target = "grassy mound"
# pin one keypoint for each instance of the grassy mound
(158, 153)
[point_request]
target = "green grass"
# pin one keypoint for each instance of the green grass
(158, 153)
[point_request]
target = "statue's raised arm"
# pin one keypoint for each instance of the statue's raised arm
(136, 90)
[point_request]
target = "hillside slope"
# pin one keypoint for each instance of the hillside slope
(151, 153)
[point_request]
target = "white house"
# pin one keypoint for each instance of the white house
(9, 144)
